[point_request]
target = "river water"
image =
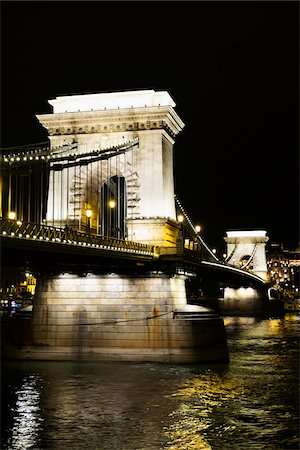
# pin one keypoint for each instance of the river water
(250, 403)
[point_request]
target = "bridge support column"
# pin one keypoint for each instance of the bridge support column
(243, 301)
(247, 249)
(94, 122)
(122, 317)
(247, 301)
(161, 232)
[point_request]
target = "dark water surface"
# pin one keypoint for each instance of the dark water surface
(251, 403)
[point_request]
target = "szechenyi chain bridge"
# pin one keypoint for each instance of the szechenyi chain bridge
(119, 263)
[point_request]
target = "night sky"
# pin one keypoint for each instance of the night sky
(231, 68)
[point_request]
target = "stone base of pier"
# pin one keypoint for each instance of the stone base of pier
(120, 318)
(249, 302)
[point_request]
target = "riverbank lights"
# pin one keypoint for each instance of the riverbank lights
(12, 215)
(112, 204)
(198, 228)
(180, 218)
(89, 213)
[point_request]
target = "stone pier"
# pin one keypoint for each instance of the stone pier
(122, 318)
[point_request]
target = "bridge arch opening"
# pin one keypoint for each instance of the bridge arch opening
(113, 207)
(246, 261)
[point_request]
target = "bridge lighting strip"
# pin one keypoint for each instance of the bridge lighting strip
(194, 229)
(234, 269)
(17, 157)
(100, 246)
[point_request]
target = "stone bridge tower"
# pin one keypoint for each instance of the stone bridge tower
(247, 249)
(85, 123)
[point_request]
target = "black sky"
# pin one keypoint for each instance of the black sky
(231, 67)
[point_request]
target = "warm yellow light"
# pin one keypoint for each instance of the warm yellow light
(19, 222)
(224, 255)
(198, 228)
(180, 218)
(112, 204)
(12, 215)
(214, 250)
(89, 213)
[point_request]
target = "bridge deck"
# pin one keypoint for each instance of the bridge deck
(54, 246)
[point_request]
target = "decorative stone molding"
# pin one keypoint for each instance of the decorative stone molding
(91, 122)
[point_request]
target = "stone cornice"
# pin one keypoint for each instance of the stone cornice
(244, 240)
(108, 121)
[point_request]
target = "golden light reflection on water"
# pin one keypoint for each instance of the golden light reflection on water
(194, 418)
(282, 328)
(27, 419)
(238, 320)
(274, 326)
(279, 328)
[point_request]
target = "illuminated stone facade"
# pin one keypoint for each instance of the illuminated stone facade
(83, 123)
(140, 314)
(121, 317)
(247, 249)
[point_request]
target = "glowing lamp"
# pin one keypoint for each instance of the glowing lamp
(198, 228)
(112, 204)
(180, 218)
(12, 215)
(214, 251)
(89, 213)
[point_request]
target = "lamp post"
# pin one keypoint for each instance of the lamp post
(12, 215)
(89, 214)
(111, 205)
(180, 219)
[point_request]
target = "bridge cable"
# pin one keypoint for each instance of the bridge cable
(199, 238)
(119, 321)
(231, 254)
(250, 259)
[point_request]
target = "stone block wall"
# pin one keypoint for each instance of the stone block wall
(118, 317)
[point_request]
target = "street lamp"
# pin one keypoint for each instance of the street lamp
(198, 228)
(89, 214)
(112, 204)
(180, 218)
(12, 215)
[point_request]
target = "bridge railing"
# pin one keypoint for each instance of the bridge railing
(39, 232)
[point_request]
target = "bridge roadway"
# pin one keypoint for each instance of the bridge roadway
(46, 248)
